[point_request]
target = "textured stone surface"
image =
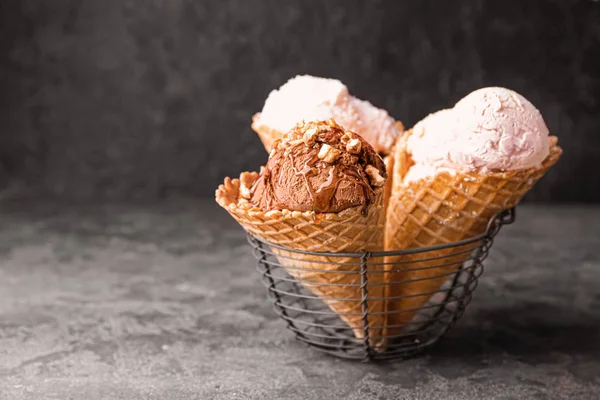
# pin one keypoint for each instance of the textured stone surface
(157, 302)
(132, 98)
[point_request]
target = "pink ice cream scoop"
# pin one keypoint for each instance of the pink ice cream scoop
(308, 98)
(491, 129)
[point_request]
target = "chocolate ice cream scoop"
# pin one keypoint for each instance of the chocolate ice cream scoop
(320, 167)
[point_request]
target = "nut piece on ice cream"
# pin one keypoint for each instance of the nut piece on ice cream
(491, 129)
(308, 98)
(374, 176)
(246, 182)
(354, 146)
(310, 136)
(328, 154)
(319, 174)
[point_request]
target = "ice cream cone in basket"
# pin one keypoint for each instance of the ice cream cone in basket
(335, 280)
(267, 135)
(442, 208)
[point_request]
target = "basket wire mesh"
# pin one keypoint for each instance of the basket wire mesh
(313, 322)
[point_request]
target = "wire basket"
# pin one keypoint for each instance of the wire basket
(313, 321)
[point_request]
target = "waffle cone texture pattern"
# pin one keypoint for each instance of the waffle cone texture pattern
(338, 286)
(438, 210)
(267, 135)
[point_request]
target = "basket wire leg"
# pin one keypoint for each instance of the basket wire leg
(266, 272)
(364, 280)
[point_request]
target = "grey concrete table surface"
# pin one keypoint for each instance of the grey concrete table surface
(163, 302)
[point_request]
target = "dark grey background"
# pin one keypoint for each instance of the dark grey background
(145, 99)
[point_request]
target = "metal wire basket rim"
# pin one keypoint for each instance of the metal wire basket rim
(275, 264)
(502, 218)
(374, 264)
(372, 253)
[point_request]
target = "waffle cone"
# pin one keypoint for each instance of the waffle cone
(389, 168)
(443, 209)
(346, 231)
(267, 135)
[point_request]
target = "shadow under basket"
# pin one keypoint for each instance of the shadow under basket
(314, 323)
